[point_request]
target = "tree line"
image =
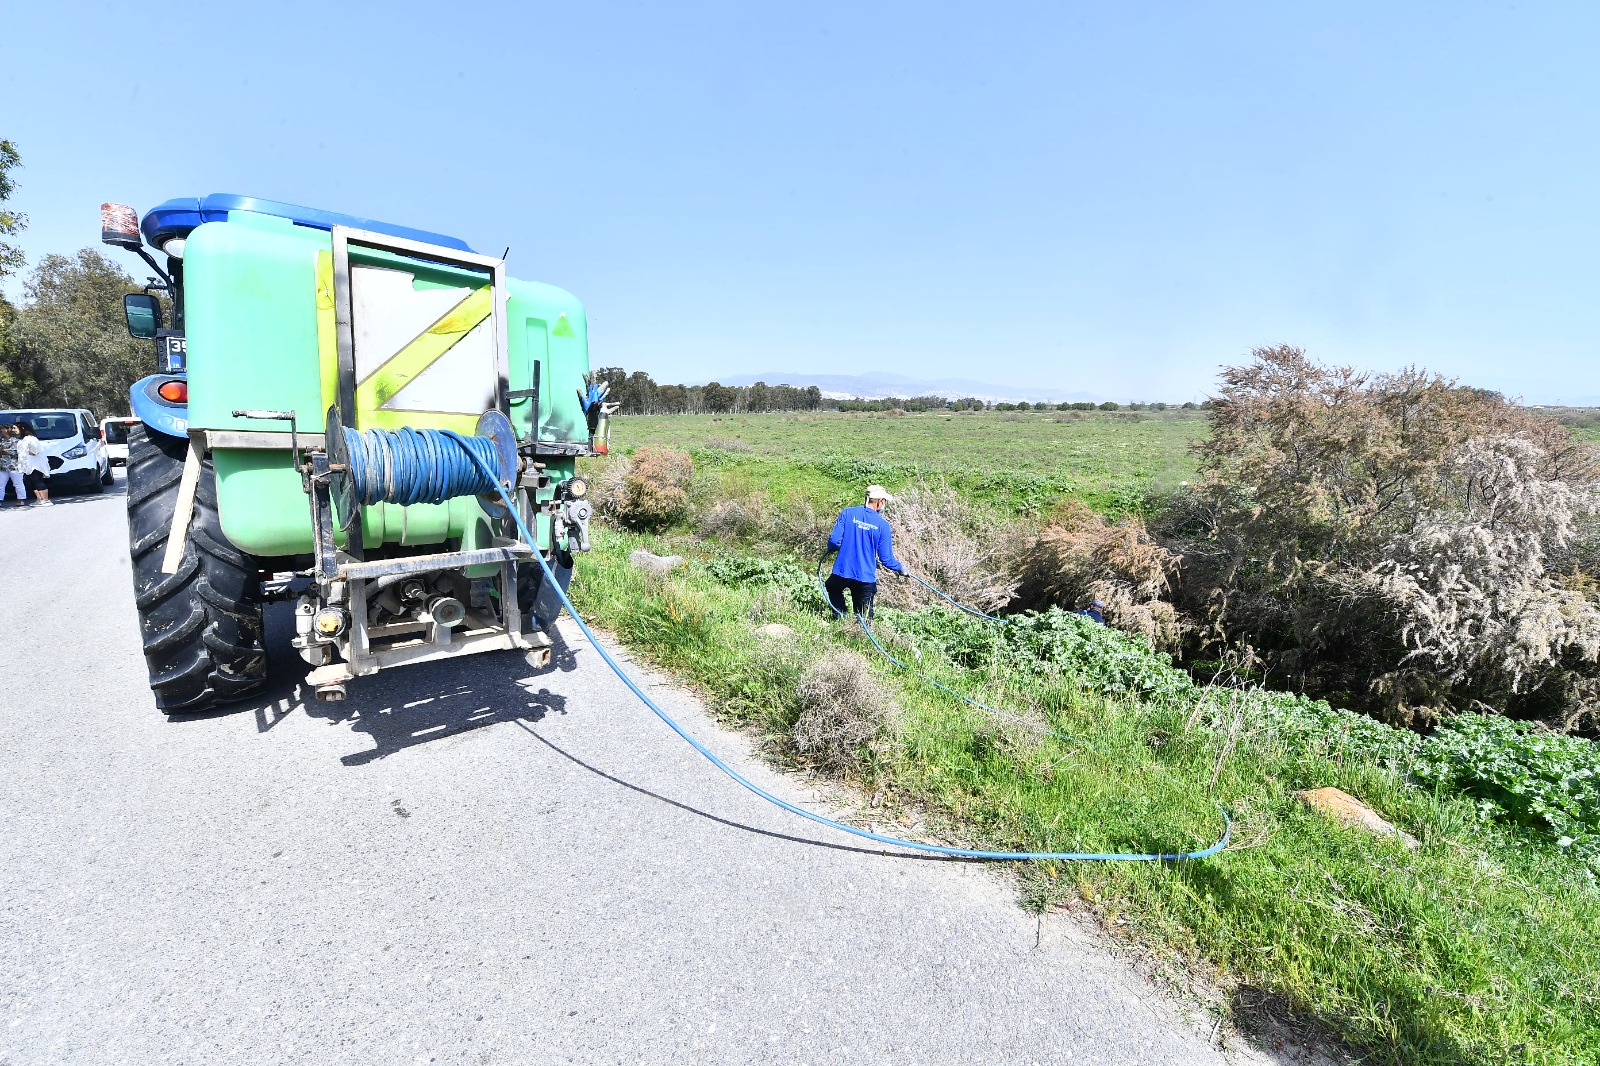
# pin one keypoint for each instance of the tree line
(67, 344)
(639, 394)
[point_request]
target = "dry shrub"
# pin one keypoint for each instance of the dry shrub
(654, 492)
(1396, 536)
(1080, 556)
(844, 713)
(800, 527)
(731, 519)
(606, 477)
(1469, 586)
(945, 540)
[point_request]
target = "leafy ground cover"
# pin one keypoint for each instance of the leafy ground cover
(1481, 945)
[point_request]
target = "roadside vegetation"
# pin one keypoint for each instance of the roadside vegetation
(1474, 937)
(67, 344)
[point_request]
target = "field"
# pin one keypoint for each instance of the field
(1022, 461)
(1479, 945)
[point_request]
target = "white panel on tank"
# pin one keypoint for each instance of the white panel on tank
(388, 313)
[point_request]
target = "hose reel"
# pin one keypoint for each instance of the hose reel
(409, 466)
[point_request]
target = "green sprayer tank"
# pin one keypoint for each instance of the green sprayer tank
(288, 326)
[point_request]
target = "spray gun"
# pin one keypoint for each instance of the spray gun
(598, 412)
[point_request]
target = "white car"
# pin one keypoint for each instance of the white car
(72, 446)
(114, 431)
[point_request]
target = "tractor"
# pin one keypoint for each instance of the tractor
(283, 334)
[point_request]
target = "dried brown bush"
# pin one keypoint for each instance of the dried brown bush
(799, 527)
(1081, 556)
(730, 519)
(606, 477)
(654, 490)
(1391, 537)
(945, 540)
(844, 712)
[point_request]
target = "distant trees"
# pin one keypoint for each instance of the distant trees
(68, 344)
(639, 394)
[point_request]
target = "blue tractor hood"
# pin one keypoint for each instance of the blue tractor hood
(176, 218)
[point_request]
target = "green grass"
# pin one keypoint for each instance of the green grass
(1476, 947)
(1480, 946)
(1023, 461)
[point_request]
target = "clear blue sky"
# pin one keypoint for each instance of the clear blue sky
(1114, 198)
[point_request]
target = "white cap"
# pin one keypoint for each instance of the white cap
(878, 492)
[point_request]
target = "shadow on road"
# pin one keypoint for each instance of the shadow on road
(742, 827)
(66, 498)
(402, 709)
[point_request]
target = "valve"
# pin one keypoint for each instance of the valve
(572, 522)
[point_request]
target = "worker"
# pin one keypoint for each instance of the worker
(1096, 611)
(861, 537)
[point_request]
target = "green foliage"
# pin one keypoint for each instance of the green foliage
(1519, 775)
(1477, 947)
(1546, 781)
(11, 222)
(750, 570)
(1068, 648)
(69, 345)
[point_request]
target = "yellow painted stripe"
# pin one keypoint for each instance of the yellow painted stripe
(384, 383)
(327, 335)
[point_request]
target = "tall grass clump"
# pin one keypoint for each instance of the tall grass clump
(845, 714)
(648, 490)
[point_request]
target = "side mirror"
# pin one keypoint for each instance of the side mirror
(143, 313)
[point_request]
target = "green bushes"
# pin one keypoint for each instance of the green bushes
(1518, 773)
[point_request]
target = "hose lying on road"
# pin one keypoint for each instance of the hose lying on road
(460, 473)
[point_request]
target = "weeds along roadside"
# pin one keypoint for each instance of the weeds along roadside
(1474, 943)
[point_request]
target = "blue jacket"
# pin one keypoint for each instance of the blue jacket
(862, 538)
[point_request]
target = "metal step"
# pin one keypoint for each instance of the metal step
(351, 570)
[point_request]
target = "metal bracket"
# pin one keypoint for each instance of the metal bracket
(279, 416)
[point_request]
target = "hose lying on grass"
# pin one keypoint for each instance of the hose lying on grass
(459, 472)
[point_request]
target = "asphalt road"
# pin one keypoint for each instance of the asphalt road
(468, 863)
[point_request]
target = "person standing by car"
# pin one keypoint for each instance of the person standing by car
(10, 470)
(35, 467)
(862, 538)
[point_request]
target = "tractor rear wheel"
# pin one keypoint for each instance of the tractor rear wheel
(201, 626)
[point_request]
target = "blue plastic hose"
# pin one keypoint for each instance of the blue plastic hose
(471, 469)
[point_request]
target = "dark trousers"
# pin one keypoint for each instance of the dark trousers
(862, 593)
